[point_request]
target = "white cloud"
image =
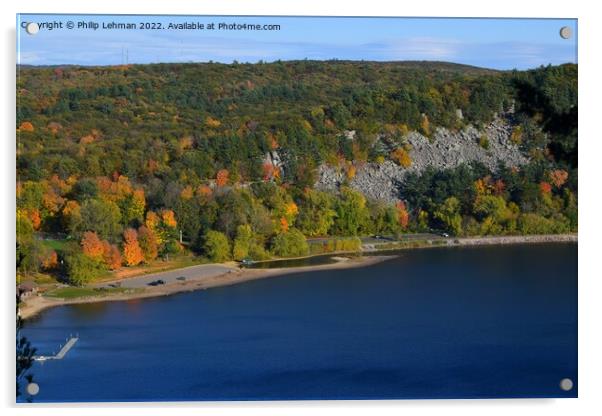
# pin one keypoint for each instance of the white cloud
(423, 48)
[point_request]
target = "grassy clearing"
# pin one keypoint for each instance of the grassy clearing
(39, 278)
(57, 245)
(80, 292)
(44, 279)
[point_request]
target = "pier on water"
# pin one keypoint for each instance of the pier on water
(63, 351)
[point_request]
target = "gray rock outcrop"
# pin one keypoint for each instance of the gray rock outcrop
(445, 150)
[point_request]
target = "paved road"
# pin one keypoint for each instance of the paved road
(194, 273)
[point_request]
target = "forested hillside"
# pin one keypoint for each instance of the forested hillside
(120, 160)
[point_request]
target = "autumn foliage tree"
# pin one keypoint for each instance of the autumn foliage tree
(35, 218)
(402, 157)
(291, 211)
(111, 255)
(168, 218)
(152, 220)
(132, 253)
(222, 177)
(187, 193)
(212, 122)
(71, 210)
(283, 224)
(350, 171)
(148, 243)
(559, 177)
(162, 225)
(100, 251)
(545, 188)
(50, 261)
(204, 191)
(92, 246)
(26, 126)
(402, 214)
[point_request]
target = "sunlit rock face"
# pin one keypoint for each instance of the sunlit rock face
(446, 149)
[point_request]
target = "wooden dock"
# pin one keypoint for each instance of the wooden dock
(63, 351)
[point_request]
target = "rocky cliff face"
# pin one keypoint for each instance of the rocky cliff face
(445, 150)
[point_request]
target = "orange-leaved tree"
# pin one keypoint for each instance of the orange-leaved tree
(545, 188)
(559, 177)
(152, 220)
(111, 255)
(402, 214)
(132, 253)
(50, 261)
(204, 191)
(284, 225)
(92, 246)
(222, 176)
(169, 218)
(26, 126)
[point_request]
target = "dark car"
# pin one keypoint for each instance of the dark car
(157, 282)
(181, 278)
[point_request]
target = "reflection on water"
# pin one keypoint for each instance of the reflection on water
(301, 262)
(86, 311)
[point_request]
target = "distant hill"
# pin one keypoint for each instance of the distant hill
(438, 65)
(300, 106)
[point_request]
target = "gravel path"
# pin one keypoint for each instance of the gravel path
(192, 273)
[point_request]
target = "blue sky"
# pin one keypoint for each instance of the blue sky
(492, 43)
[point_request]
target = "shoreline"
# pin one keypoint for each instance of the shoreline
(35, 305)
(476, 242)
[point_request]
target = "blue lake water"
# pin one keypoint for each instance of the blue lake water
(439, 323)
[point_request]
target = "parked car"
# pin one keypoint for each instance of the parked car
(181, 278)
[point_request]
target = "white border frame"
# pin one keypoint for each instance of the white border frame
(590, 150)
